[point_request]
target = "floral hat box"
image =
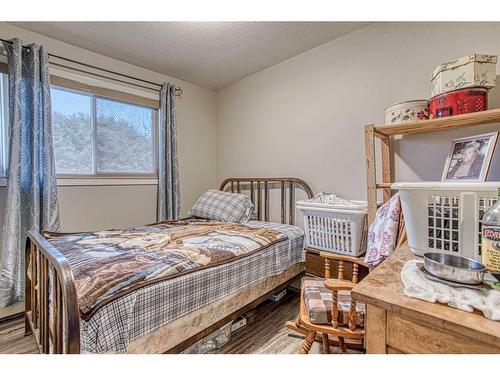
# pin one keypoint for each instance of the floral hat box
(409, 111)
(475, 70)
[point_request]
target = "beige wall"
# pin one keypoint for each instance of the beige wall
(304, 117)
(99, 207)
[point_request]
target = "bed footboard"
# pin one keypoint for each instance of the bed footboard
(51, 304)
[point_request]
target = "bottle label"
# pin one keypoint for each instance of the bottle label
(490, 248)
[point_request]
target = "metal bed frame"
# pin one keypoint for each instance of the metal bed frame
(52, 312)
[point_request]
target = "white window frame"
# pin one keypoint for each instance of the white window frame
(98, 179)
(111, 178)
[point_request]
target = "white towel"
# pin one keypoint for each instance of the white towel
(466, 299)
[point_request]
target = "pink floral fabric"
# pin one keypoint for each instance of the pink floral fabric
(383, 232)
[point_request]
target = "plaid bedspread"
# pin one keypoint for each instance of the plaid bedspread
(109, 264)
(145, 310)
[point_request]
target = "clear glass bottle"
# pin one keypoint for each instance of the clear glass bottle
(490, 238)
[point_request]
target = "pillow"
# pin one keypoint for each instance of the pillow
(222, 206)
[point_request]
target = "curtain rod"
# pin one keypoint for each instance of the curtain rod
(178, 90)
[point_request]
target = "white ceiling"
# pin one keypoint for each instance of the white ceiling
(211, 54)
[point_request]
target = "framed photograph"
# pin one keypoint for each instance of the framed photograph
(470, 158)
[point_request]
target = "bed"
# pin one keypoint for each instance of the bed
(77, 301)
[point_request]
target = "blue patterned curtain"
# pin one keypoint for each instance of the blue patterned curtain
(31, 182)
(168, 173)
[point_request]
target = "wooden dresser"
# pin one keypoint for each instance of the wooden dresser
(399, 324)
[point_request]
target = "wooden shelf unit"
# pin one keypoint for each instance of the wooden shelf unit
(385, 132)
(444, 123)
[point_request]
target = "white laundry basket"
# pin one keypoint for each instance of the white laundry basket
(333, 227)
(445, 216)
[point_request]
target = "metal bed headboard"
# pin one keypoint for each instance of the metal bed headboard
(258, 184)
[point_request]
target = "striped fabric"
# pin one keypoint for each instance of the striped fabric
(144, 311)
(222, 206)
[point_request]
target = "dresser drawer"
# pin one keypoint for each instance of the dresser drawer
(315, 265)
(409, 337)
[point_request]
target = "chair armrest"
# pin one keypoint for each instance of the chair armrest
(335, 284)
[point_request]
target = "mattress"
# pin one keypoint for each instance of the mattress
(143, 311)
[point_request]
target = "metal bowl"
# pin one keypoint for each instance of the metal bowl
(454, 268)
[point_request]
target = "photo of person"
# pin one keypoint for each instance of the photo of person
(470, 158)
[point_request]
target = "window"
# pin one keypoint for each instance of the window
(124, 137)
(72, 131)
(97, 135)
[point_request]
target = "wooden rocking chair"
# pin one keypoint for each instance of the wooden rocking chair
(342, 333)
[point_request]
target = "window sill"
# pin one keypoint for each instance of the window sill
(99, 181)
(108, 181)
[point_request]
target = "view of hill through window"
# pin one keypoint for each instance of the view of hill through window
(123, 141)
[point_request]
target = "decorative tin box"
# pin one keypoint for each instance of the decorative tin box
(409, 111)
(475, 70)
(459, 102)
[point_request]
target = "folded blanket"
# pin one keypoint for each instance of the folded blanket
(466, 299)
(383, 233)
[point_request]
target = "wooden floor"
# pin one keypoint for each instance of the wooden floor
(16, 308)
(12, 339)
(265, 332)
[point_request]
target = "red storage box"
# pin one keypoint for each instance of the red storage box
(458, 102)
